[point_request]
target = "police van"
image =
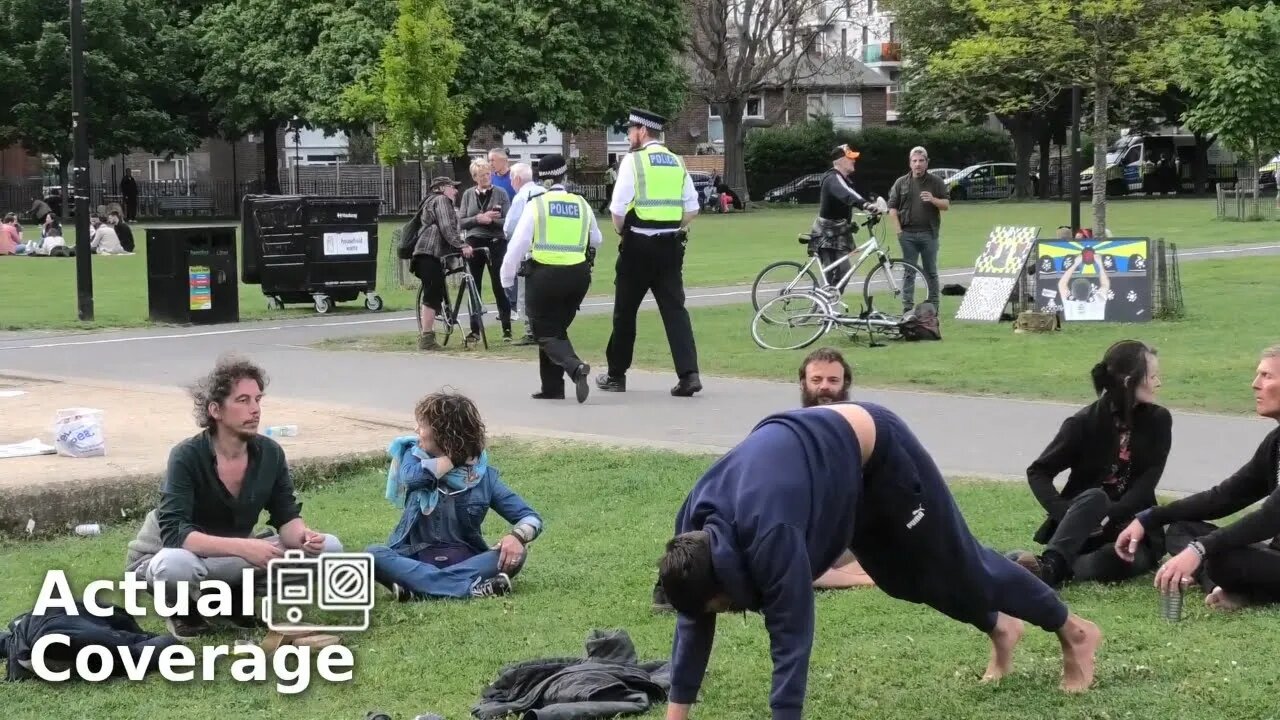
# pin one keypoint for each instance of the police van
(1134, 164)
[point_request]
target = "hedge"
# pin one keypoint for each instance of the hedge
(776, 156)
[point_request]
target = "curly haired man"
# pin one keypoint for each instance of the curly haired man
(442, 478)
(217, 484)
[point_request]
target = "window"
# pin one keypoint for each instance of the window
(752, 108)
(162, 170)
(615, 136)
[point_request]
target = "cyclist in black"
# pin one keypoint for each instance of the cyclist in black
(832, 232)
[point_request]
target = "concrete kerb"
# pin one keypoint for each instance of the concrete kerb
(49, 495)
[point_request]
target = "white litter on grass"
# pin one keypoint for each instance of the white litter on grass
(12, 393)
(31, 525)
(26, 449)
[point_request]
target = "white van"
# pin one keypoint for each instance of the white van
(1133, 159)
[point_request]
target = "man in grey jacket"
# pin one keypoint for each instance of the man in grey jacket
(438, 237)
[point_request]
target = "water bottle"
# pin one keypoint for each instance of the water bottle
(88, 530)
(282, 431)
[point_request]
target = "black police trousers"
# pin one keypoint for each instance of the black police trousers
(553, 294)
(650, 264)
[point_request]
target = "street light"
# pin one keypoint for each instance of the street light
(80, 168)
(297, 156)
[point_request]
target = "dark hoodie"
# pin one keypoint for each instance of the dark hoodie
(779, 508)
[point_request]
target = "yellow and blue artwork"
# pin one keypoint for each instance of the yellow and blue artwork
(1103, 280)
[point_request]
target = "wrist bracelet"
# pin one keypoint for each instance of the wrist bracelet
(1198, 548)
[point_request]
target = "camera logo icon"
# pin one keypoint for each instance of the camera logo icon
(333, 582)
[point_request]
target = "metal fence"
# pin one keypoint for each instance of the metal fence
(1166, 284)
(1248, 201)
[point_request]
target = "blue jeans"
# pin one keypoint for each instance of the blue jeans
(920, 249)
(426, 579)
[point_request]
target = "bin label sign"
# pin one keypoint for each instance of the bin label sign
(201, 287)
(346, 243)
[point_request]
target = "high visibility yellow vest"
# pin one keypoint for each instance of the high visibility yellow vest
(561, 228)
(659, 180)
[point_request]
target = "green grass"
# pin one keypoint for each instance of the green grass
(1207, 360)
(607, 517)
(723, 250)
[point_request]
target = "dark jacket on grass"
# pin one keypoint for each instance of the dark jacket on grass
(607, 683)
(119, 630)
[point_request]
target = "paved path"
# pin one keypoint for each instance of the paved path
(982, 436)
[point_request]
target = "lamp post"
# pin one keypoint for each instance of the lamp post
(80, 168)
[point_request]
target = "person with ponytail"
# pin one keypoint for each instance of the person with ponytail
(1115, 449)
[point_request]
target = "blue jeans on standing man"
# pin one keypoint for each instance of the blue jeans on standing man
(920, 248)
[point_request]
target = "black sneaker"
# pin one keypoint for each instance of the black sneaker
(506, 335)
(687, 386)
(528, 339)
(580, 379)
(496, 586)
(1044, 568)
(608, 383)
(188, 627)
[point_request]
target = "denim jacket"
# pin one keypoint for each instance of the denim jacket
(457, 519)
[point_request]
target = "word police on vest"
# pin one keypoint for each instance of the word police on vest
(560, 208)
(663, 159)
(291, 665)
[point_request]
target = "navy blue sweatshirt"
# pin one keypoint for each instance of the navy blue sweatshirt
(779, 509)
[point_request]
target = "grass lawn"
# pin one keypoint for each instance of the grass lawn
(594, 568)
(723, 250)
(1207, 360)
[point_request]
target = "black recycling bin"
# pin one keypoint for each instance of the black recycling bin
(311, 249)
(191, 274)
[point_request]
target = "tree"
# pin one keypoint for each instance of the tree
(1113, 47)
(406, 94)
(741, 48)
(573, 65)
(130, 90)
(958, 70)
(266, 61)
(1231, 70)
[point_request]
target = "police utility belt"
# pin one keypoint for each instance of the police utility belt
(528, 264)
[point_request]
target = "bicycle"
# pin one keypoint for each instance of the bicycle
(818, 313)
(798, 279)
(458, 274)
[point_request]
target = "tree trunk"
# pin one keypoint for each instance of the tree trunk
(1046, 145)
(1200, 165)
(1024, 139)
(735, 167)
(270, 158)
(1101, 94)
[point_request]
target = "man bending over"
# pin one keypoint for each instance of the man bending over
(774, 513)
(216, 486)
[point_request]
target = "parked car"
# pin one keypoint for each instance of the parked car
(1267, 174)
(944, 173)
(803, 190)
(987, 181)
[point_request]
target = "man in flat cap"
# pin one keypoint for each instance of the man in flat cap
(439, 236)
(653, 203)
(554, 241)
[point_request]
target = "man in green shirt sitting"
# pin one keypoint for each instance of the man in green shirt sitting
(216, 486)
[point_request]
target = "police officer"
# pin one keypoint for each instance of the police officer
(555, 241)
(653, 203)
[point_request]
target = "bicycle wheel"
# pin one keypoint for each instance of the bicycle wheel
(477, 311)
(890, 280)
(803, 319)
(781, 278)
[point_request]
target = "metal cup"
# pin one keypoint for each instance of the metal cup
(1171, 603)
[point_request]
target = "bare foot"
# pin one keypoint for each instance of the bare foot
(1004, 638)
(1223, 601)
(1080, 640)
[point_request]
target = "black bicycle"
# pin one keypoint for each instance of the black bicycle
(457, 276)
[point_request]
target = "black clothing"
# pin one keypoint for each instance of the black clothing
(1251, 571)
(651, 263)
(194, 499)
(837, 198)
(493, 260)
(607, 683)
(914, 214)
(1252, 482)
(1090, 444)
(83, 629)
(430, 272)
(555, 294)
(1086, 548)
(125, 233)
(129, 191)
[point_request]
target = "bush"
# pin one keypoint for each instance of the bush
(776, 156)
